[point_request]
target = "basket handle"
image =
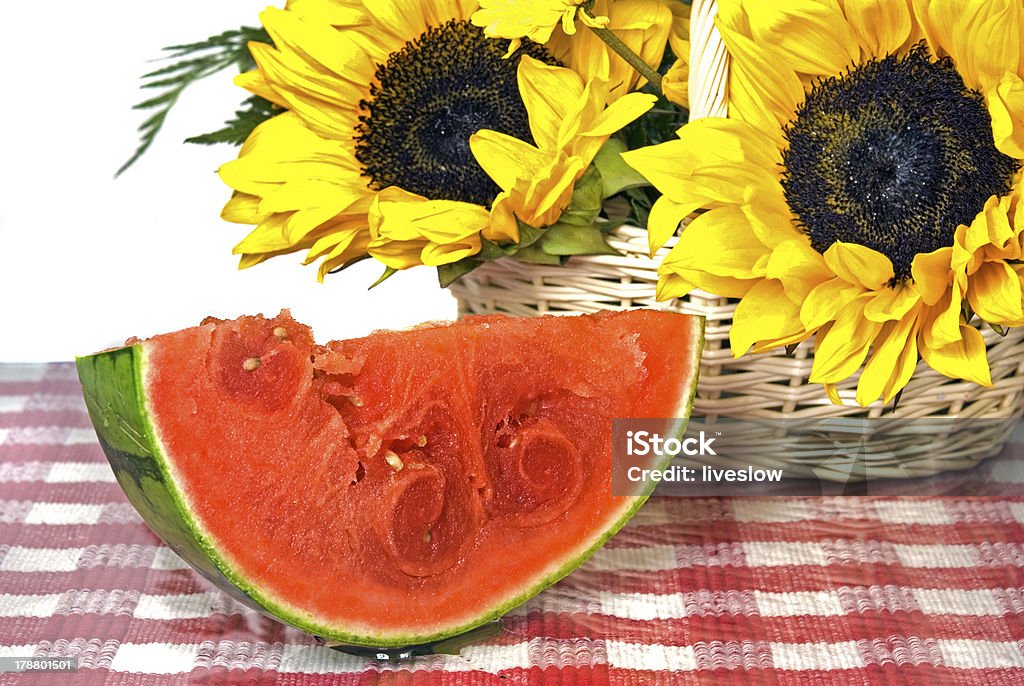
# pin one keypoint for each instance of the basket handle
(709, 63)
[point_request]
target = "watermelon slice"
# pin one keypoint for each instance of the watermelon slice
(392, 490)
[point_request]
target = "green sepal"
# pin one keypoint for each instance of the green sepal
(388, 273)
(447, 274)
(567, 239)
(585, 203)
(616, 175)
(534, 254)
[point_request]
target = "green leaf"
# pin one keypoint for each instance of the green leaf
(255, 110)
(641, 204)
(192, 62)
(585, 204)
(567, 239)
(616, 175)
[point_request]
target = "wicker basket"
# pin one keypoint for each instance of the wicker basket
(771, 388)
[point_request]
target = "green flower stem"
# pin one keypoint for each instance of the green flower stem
(624, 51)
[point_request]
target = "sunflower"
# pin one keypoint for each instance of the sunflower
(638, 28)
(864, 191)
(533, 19)
(377, 153)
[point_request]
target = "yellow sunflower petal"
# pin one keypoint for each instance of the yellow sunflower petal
(799, 267)
(766, 345)
(765, 312)
(720, 242)
(267, 237)
(891, 304)
(714, 139)
(903, 368)
(436, 254)
(953, 27)
(769, 216)
(812, 37)
(1006, 105)
(995, 293)
(506, 159)
(825, 300)
(254, 82)
(857, 264)
(833, 393)
(397, 254)
(1002, 24)
(763, 91)
(336, 14)
(931, 272)
(941, 326)
(841, 351)
(671, 279)
(344, 252)
(540, 201)
(623, 111)
(247, 261)
(399, 215)
(303, 222)
(883, 26)
(523, 18)
(892, 361)
(339, 241)
(664, 221)
(306, 193)
(243, 208)
(989, 226)
(671, 285)
(502, 225)
(964, 358)
(549, 93)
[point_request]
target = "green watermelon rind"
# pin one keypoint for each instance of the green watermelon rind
(113, 383)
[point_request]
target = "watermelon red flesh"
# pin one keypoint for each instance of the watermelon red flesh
(406, 486)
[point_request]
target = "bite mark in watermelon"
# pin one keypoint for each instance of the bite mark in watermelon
(395, 489)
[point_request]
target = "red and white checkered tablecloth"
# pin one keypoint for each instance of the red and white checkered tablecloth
(843, 590)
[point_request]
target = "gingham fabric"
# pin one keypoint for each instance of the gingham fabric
(840, 590)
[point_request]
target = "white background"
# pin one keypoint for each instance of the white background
(87, 261)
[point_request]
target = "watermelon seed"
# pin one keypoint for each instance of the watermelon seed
(421, 441)
(281, 333)
(355, 400)
(394, 460)
(426, 537)
(251, 364)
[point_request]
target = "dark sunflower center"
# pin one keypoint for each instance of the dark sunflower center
(893, 155)
(432, 95)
